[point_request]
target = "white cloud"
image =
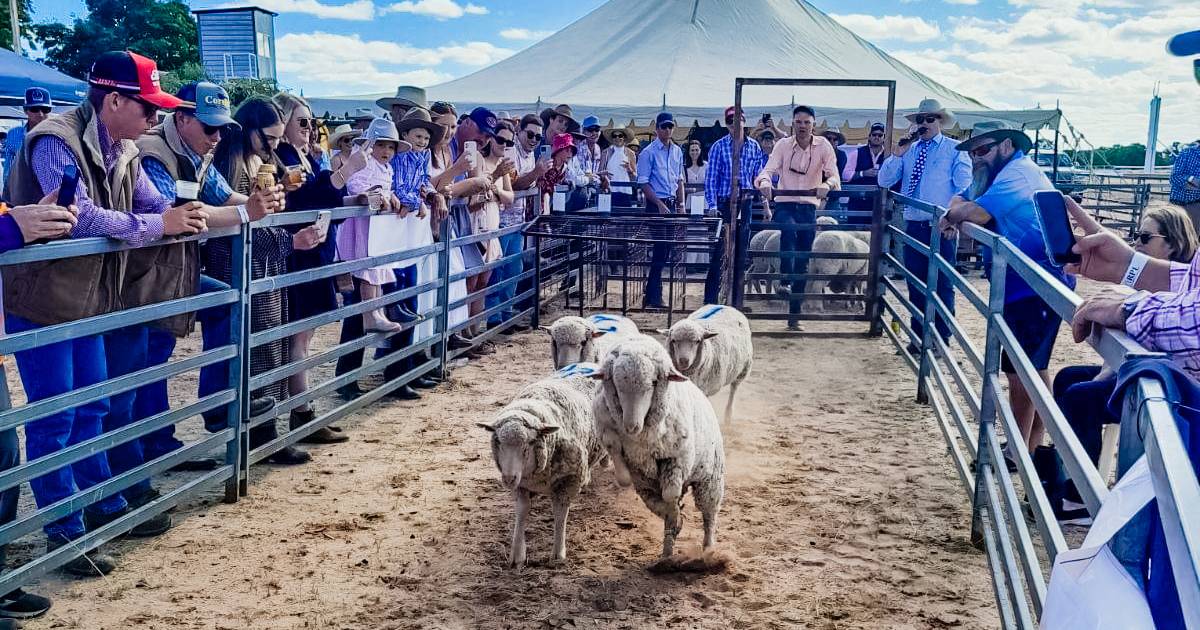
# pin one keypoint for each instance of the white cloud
(360, 10)
(524, 34)
(437, 9)
(967, 2)
(898, 27)
(331, 63)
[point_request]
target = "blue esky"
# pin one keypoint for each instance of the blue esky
(1099, 58)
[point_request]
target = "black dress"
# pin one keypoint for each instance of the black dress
(318, 193)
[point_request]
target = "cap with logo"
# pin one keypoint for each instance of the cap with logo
(208, 102)
(37, 97)
(130, 74)
(484, 119)
(664, 118)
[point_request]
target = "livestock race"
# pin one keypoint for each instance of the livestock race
(601, 314)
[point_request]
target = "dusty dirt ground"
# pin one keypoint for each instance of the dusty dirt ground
(841, 509)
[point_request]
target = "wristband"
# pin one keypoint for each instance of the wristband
(1136, 265)
(241, 210)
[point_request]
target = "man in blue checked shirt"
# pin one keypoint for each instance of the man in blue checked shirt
(718, 184)
(1184, 192)
(660, 174)
(929, 169)
(176, 158)
(37, 109)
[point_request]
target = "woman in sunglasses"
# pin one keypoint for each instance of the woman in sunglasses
(485, 206)
(1167, 233)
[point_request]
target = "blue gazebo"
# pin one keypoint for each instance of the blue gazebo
(18, 73)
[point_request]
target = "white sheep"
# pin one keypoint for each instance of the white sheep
(545, 442)
(839, 242)
(712, 347)
(662, 435)
(763, 241)
(584, 339)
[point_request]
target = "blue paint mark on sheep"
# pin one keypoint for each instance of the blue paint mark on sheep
(601, 317)
(713, 310)
(577, 369)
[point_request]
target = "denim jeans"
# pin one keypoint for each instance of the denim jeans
(659, 253)
(1084, 403)
(795, 240)
(48, 371)
(918, 265)
(215, 333)
(126, 351)
(10, 457)
(510, 244)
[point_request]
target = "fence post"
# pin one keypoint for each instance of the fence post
(929, 328)
(872, 307)
(238, 411)
(444, 294)
(987, 407)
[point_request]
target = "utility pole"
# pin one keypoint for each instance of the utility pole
(16, 29)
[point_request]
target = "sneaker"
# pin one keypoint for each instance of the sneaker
(21, 605)
(1072, 513)
(91, 564)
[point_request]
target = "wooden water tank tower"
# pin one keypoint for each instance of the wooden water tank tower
(237, 43)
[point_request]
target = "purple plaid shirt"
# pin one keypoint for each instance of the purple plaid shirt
(1169, 321)
(144, 225)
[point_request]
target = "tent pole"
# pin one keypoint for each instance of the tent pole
(1057, 123)
(16, 27)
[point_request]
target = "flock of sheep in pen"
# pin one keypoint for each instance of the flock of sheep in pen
(621, 396)
(826, 242)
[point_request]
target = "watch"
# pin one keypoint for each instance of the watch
(1130, 304)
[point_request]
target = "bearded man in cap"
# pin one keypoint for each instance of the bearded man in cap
(1001, 194)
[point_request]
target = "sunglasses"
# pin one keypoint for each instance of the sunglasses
(983, 149)
(532, 135)
(618, 136)
(667, 126)
(505, 142)
(592, 130)
(306, 123)
(877, 134)
(920, 120)
(39, 110)
(149, 111)
(1145, 237)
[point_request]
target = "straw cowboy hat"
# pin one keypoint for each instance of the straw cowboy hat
(996, 130)
(418, 118)
(932, 106)
(406, 95)
(608, 133)
(563, 110)
(341, 131)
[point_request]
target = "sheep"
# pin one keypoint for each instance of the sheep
(712, 347)
(839, 242)
(763, 241)
(545, 442)
(584, 339)
(662, 435)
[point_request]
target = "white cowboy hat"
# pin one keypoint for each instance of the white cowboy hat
(932, 106)
(342, 131)
(382, 130)
(407, 95)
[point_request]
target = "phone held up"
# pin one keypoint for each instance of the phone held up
(324, 218)
(1056, 226)
(70, 183)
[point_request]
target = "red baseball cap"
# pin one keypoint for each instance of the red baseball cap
(133, 75)
(731, 111)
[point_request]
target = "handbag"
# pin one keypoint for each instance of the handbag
(1089, 588)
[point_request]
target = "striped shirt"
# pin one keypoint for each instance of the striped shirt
(717, 181)
(142, 226)
(1186, 165)
(1169, 321)
(410, 177)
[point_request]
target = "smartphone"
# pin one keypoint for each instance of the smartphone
(323, 219)
(766, 119)
(70, 182)
(1056, 226)
(543, 152)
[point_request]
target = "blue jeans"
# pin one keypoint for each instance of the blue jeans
(127, 350)
(1084, 402)
(511, 244)
(10, 457)
(214, 330)
(795, 240)
(48, 371)
(659, 254)
(918, 265)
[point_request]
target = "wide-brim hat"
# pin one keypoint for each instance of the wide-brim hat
(841, 136)
(406, 95)
(608, 133)
(342, 131)
(996, 130)
(563, 110)
(419, 119)
(932, 106)
(563, 141)
(381, 130)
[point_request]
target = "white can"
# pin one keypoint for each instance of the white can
(697, 207)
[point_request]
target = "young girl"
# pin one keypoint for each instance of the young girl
(485, 207)
(374, 180)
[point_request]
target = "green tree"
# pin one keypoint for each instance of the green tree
(24, 9)
(162, 30)
(172, 80)
(241, 89)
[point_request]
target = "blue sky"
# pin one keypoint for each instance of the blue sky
(1099, 58)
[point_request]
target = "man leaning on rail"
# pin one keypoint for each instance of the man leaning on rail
(115, 200)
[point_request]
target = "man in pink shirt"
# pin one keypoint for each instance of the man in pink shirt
(803, 163)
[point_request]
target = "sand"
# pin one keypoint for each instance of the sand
(841, 511)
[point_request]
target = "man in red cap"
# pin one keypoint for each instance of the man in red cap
(116, 200)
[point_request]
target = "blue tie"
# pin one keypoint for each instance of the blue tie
(918, 168)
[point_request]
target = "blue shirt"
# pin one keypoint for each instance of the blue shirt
(717, 180)
(1010, 202)
(410, 176)
(12, 146)
(662, 168)
(1186, 165)
(215, 191)
(947, 173)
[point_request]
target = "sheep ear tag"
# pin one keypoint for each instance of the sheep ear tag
(584, 370)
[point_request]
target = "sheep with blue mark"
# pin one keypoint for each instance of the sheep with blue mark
(662, 435)
(585, 339)
(713, 348)
(545, 442)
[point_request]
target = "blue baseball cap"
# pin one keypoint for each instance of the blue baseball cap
(664, 118)
(485, 119)
(208, 102)
(37, 97)
(589, 122)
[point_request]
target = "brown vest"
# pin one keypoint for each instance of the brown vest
(57, 291)
(165, 272)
